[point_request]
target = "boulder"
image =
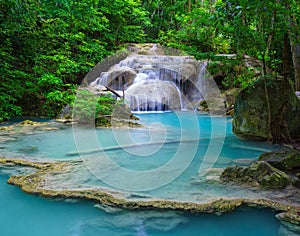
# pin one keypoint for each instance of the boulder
(259, 174)
(250, 118)
(285, 159)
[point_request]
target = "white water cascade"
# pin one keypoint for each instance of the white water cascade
(154, 83)
(149, 93)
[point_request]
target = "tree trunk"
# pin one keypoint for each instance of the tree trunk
(270, 135)
(295, 47)
(285, 57)
(189, 6)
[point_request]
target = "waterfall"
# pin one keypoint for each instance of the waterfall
(155, 83)
(150, 93)
(179, 95)
(202, 79)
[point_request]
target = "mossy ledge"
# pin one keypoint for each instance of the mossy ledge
(34, 183)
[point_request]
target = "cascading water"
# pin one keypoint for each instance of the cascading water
(150, 93)
(201, 79)
(155, 83)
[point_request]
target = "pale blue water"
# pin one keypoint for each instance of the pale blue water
(57, 144)
(23, 214)
(28, 215)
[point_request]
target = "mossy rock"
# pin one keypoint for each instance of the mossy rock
(203, 106)
(251, 118)
(296, 182)
(259, 173)
(285, 159)
(275, 181)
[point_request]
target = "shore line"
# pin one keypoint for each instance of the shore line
(35, 183)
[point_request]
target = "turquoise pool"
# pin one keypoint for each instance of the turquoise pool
(202, 136)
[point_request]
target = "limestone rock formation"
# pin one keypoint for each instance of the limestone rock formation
(260, 174)
(284, 159)
(287, 160)
(48, 179)
(154, 78)
(251, 118)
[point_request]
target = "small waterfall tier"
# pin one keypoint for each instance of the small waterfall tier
(154, 82)
(148, 93)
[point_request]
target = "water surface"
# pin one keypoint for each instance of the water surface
(23, 214)
(28, 215)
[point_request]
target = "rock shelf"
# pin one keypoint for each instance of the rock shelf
(38, 183)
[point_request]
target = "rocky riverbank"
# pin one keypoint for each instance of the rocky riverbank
(40, 182)
(276, 119)
(273, 170)
(274, 177)
(26, 127)
(120, 117)
(277, 170)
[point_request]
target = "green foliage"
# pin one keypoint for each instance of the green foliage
(197, 29)
(84, 107)
(7, 107)
(235, 73)
(88, 107)
(47, 47)
(239, 77)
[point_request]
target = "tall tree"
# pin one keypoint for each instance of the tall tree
(294, 11)
(48, 46)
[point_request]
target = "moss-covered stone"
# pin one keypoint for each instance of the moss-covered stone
(296, 182)
(120, 117)
(251, 118)
(285, 159)
(257, 174)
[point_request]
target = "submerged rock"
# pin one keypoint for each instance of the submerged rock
(29, 122)
(286, 231)
(291, 221)
(108, 209)
(14, 131)
(260, 173)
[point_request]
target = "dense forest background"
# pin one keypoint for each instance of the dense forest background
(47, 46)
